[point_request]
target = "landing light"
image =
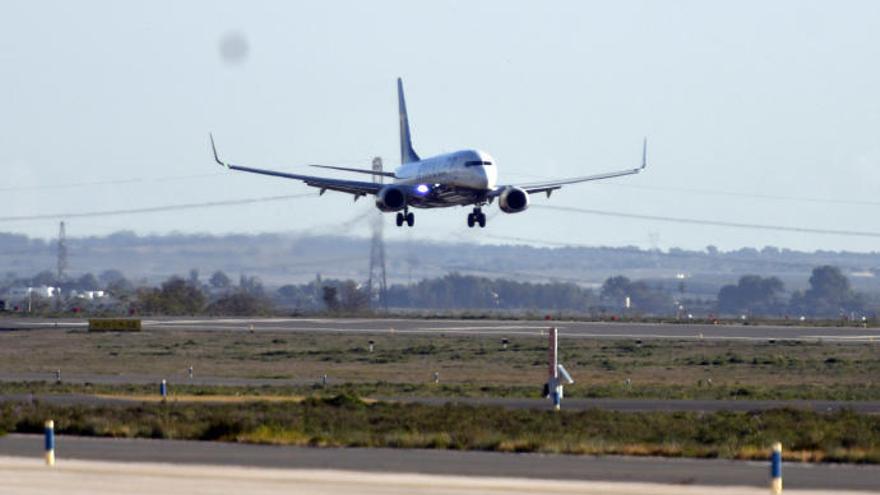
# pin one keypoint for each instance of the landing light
(422, 189)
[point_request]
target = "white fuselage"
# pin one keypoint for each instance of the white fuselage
(466, 169)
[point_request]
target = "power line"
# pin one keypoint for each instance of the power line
(110, 182)
(737, 194)
(155, 209)
(714, 223)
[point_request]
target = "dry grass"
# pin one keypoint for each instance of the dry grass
(601, 367)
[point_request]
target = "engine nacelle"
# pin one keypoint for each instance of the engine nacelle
(390, 198)
(513, 200)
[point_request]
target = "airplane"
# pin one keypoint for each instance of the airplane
(461, 178)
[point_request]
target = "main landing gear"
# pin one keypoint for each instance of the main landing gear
(477, 217)
(407, 217)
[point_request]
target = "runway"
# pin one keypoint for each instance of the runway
(681, 473)
(568, 329)
(28, 477)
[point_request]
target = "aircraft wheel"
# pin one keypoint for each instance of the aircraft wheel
(482, 220)
(471, 220)
(400, 219)
(410, 219)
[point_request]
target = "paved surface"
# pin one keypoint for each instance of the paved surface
(27, 477)
(439, 462)
(609, 330)
(623, 405)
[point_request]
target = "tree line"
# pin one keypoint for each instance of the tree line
(829, 295)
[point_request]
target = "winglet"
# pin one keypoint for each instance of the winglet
(214, 148)
(644, 153)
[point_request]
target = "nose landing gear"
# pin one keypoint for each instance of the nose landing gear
(476, 218)
(406, 217)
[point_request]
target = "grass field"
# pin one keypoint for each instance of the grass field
(347, 421)
(468, 365)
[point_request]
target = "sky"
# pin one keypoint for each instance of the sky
(756, 112)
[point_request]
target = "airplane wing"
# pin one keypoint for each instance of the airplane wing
(550, 186)
(358, 188)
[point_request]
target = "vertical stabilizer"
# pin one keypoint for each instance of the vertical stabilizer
(406, 150)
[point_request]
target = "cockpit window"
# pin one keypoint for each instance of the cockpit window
(476, 163)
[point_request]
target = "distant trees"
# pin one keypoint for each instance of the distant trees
(220, 280)
(175, 296)
(112, 276)
(752, 295)
(240, 303)
(330, 297)
(642, 297)
(829, 294)
(456, 291)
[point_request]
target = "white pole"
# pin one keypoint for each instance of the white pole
(553, 363)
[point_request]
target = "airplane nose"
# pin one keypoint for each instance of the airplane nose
(489, 176)
(483, 178)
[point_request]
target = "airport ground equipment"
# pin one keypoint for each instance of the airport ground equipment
(49, 433)
(776, 469)
(557, 372)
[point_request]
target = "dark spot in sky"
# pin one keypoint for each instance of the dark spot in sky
(234, 48)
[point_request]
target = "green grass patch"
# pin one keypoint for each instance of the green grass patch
(382, 389)
(345, 420)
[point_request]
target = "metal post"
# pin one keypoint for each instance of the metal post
(49, 430)
(58, 376)
(436, 377)
(776, 469)
(553, 362)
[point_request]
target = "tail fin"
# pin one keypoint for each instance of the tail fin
(407, 154)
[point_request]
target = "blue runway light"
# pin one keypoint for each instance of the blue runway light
(776, 469)
(49, 442)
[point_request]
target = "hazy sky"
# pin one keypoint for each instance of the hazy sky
(774, 98)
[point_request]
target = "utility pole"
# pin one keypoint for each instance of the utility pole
(62, 254)
(377, 275)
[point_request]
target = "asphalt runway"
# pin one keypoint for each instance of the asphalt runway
(680, 472)
(500, 328)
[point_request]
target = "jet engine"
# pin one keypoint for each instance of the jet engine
(390, 198)
(513, 200)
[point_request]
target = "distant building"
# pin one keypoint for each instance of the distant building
(89, 295)
(22, 293)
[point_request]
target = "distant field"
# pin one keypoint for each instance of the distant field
(468, 365)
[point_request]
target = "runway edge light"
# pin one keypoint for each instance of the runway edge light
(776, 469)
(49, 430)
